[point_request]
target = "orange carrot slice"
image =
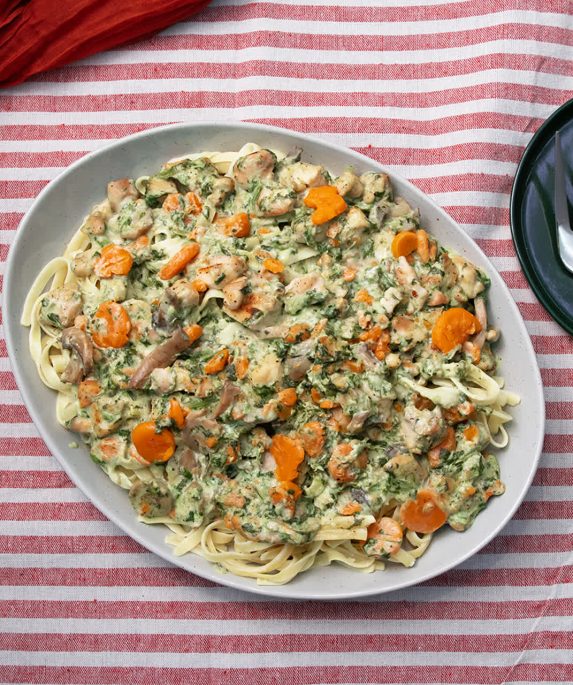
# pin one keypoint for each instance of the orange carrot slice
(114, 261)
(111, 325)
(288, 454)
(217, 362)
(171, 203)
(471, 433)
(179, 261)
(273, 265)
(404, 243)
(176, 413)
(423, 514)
(349, 274)
(152, 444)
(194, 204)
(288, 397)
(454, 327)
(236, 226)
(364, 296)
(327, 203)
(312, 438)
(193, 332)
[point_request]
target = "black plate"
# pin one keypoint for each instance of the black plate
(533, 220)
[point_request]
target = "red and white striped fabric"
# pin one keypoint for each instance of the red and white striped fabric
(446, 93)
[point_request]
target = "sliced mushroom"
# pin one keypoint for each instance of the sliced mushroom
(229, 393)
(187, 459)
(357, 422)
(259, 164)
(296, 367)
(157, 187)
(292, 156)
(163, 355)
(299, 360)
(198, 426)
(82, 360)
(379, 212)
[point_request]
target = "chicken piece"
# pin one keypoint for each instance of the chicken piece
(107, 414)
(94, 223)
(222, 188)
(302, 175)
(140, 223)
(182, 295)
(275, 201)
(302, 284)
(399, 208)
(375, 186)
(404, 272)
(60, 307)
(199, 427)
(353, 225)
(349, 185)
(150, 500)
(420, 427)
(267, 371)
(233, 293)
(264, 299)
(120, 190)
(175, 303)
(346, 461)
(469, 284)
(437, 299)
(82, 263)
(221, 270)
(405, 467)
(390, 300)
(139, 312)
(172, 379)
(384, 538)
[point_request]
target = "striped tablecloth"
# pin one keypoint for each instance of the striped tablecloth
(448, 94)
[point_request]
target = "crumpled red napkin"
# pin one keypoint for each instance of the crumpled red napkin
(36, 35)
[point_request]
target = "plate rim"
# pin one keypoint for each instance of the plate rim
(229, 580)
(547, 128)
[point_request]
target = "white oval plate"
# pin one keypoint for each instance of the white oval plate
(58, 211)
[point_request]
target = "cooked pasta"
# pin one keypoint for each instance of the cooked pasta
(281, 366)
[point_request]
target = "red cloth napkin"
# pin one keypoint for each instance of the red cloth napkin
(36, 35)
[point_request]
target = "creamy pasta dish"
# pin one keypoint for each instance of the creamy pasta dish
(280, 365)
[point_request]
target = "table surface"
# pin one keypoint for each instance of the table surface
(447, 94)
